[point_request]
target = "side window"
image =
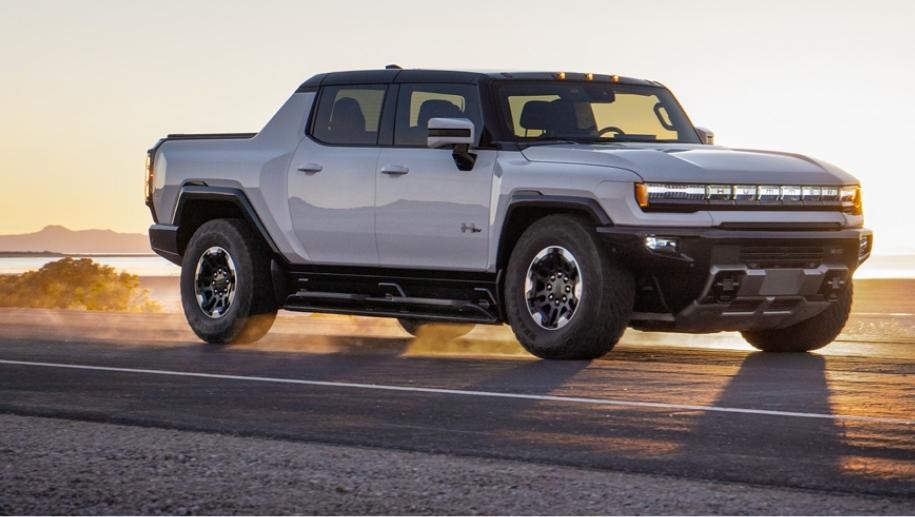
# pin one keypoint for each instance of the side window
(349, 115)
(417, 103)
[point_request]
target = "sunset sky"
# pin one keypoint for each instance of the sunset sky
(87, 87)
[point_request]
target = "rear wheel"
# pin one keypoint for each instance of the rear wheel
(440, 331)
(810, 334)
(226, 290)
(566, 298)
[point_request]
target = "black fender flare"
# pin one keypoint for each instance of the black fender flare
(233, 196)
(532, 198)
(581, 203)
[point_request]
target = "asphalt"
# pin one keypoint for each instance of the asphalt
(698, 408)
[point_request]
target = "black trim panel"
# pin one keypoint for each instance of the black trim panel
(454, 76)
(163, 239)
(231, 195)
(359, 77)
(720, 233)
(375, 291)
(800, 227)
(533, 198)
(669, 281)
(450, 132)
(439, 76)
(209, 136)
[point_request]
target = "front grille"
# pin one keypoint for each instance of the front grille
(768, 257)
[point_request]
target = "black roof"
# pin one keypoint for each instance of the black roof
(452, 76)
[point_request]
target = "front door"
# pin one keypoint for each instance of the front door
(332, 177)
(428, 213)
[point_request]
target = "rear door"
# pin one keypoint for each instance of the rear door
(428, 213)
(332, 177)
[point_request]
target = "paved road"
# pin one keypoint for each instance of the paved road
(838, 422)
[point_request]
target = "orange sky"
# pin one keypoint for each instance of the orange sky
(88, 86)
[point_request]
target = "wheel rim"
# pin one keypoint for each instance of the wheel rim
(553, 287)
(214, 282)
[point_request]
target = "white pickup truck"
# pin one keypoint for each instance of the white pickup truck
(570, 206)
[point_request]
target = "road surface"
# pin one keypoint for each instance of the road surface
(664, 423)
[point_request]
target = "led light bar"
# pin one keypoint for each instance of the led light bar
(745, 192)
(769, 193)
(675, 191)
(829, 194)
(719, 192)
(791, 193)
(685, 196)
(811, 193)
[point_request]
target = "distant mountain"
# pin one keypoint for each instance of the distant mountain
(62, 240)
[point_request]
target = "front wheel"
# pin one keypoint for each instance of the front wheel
(226, 290)
(810, 334)
(566, 298)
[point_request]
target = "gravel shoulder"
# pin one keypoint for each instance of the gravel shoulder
(55, 466)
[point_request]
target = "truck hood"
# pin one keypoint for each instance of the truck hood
(685, 163)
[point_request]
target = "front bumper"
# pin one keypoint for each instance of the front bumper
(163, 238)
(720, 280)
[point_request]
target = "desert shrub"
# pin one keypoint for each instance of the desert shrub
(76, 284)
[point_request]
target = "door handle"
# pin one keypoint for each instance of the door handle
(394, 170)
(311, 168)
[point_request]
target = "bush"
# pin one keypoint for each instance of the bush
(76, 284)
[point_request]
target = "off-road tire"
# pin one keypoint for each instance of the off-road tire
(434, 330)
(607, 292)
(253, 309)
(807, 335)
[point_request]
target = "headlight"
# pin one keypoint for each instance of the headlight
(684, 197)
(850, 197)
(674, 191)
(645, 193)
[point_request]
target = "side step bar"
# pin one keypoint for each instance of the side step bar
(396, 307)
(421, 295)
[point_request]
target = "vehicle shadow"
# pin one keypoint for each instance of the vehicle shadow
(724, 443)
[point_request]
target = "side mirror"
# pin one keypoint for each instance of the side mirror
(457, 132)
(706, 136)
(450, 131)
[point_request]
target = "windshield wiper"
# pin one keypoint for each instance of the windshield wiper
(548, 141)
(629, 138)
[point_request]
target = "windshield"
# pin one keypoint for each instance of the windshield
(580, 111)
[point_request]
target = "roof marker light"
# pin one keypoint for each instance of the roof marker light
(561, 75)
(589, 76)
(615, 78)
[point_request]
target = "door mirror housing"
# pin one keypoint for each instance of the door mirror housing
(706, 136)
(456, 132)
(450, 131)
